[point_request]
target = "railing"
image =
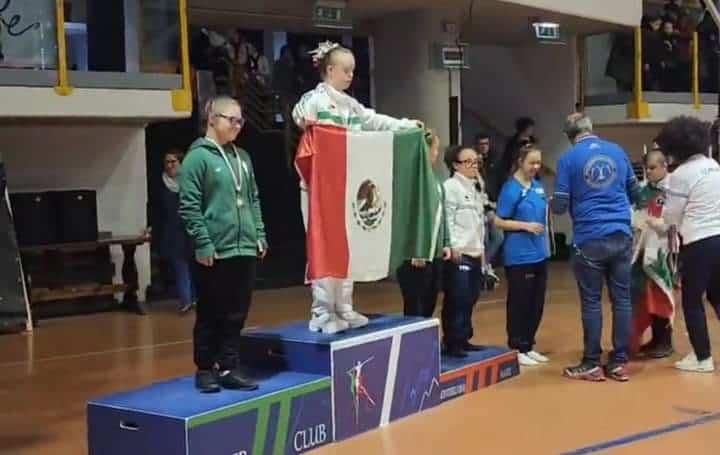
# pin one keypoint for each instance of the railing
(615, 71)
(65, 44)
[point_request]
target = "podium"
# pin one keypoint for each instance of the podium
(314, 389)
(478, 370)
(382, 372)
(289, 414)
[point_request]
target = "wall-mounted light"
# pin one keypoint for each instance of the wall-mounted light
(546, 31)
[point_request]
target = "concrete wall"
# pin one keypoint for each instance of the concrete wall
(405, 83)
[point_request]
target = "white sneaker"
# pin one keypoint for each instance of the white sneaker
(526, 361)
(352, 317)
(536, 356)
(327, 323)
(690, 363)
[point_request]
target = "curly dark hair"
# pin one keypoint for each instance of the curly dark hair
(683, 137)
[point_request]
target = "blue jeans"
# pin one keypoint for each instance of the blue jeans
(607, 259)
(184, 281)
(461, 285)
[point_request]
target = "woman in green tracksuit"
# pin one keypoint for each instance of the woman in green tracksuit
(220, 208)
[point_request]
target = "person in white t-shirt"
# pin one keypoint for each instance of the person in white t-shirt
(693, 204)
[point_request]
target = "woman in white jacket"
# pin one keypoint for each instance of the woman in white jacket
(332, 307)
(464, 208)
(693, 205)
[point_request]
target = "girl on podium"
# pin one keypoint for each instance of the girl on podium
(220, 207)
(332, 307)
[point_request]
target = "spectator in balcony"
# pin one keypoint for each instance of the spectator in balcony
(220, 207)
(175, 244)
(284, 76)
(653, 51)
(693, 206)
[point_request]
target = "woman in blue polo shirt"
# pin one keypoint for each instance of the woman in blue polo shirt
(522, 214)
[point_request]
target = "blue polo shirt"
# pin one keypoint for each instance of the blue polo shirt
(595, 182)
(519, 203)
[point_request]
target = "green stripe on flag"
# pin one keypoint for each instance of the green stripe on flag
(416, 199)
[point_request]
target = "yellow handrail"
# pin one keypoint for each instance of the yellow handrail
(63, 87)
(182, 99)
(638, 109)
(695, 71)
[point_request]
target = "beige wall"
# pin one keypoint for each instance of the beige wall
(624, 12)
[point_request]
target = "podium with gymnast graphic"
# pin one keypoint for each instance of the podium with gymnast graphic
(314, 389)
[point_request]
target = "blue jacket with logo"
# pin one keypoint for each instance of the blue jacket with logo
(596, 183)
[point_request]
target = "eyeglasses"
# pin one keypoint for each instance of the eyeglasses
(238, 121)
(469, 162)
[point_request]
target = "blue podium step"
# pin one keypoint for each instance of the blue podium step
(382, 372)
(290, 413)
(478, 370)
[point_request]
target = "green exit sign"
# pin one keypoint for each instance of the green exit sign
(328, 13)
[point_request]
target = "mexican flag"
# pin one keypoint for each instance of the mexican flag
(373, 201)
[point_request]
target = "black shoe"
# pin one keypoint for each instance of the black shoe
(455, 351)
(234, 380)
(586, 372)
(469, 347)
(206, 382)
(660, 351)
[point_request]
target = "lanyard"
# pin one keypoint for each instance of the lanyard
(235, 177)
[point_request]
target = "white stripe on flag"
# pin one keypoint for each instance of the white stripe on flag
(369, 199)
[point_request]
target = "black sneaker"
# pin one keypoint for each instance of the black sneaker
(206, 382)
(586, 372)
(618, 372)
(660, 351)
(469, 347)
(456, 351)
(233, 379)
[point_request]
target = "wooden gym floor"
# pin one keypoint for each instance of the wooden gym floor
(46, 379)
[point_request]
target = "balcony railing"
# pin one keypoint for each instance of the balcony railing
(623, 68)
(66, 44)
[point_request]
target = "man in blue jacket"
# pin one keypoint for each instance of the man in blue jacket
(595, 182)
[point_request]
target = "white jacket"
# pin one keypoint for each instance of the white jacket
(693, 199)
(326, 105)
(465, 216)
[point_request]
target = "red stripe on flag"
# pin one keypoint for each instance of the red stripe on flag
(322, 163)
